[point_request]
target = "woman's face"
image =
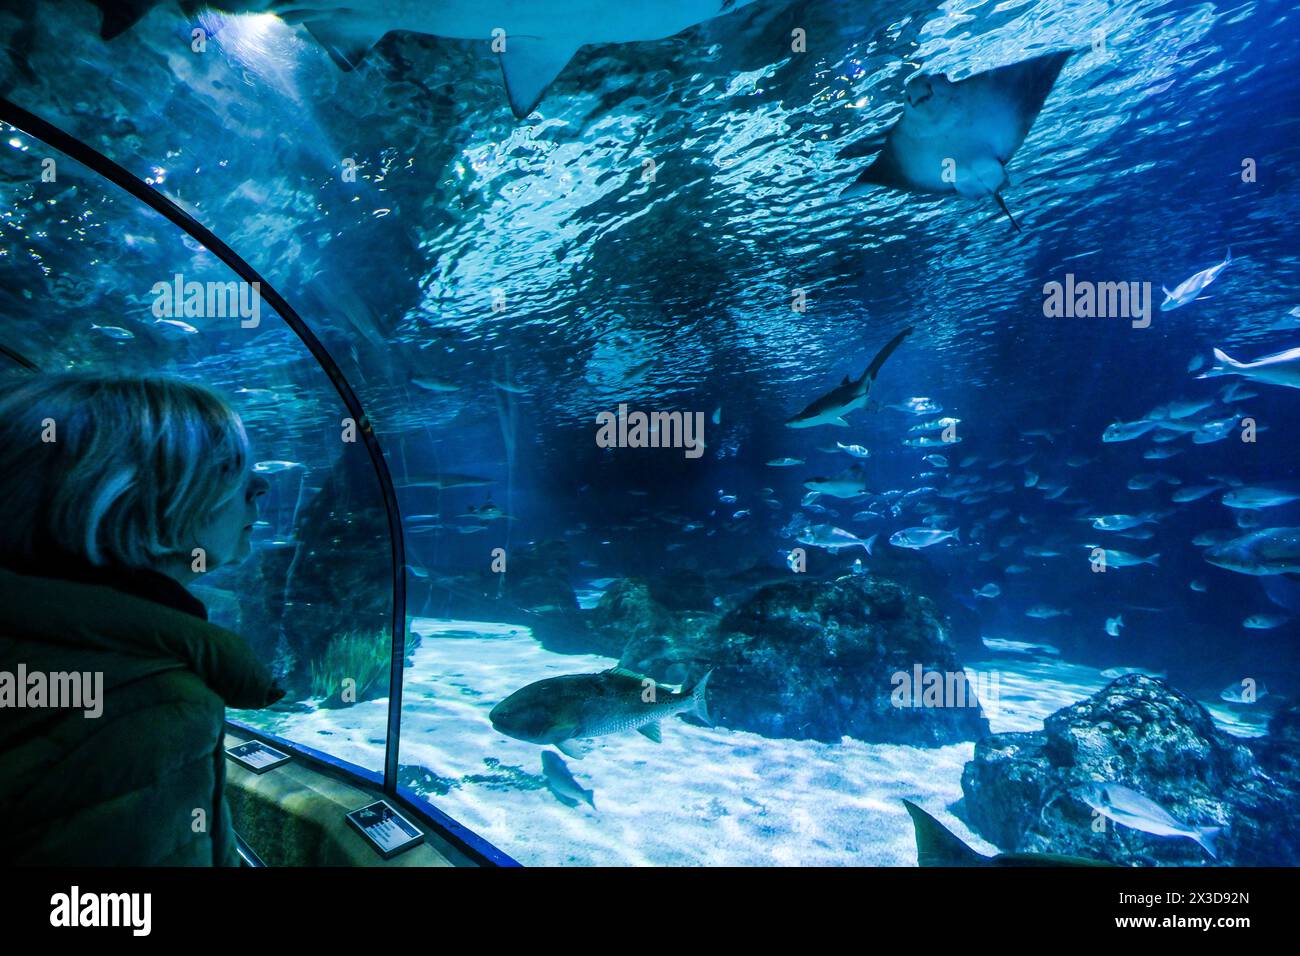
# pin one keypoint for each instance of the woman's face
(225, 539)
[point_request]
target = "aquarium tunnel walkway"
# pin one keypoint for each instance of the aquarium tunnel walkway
(475, 850)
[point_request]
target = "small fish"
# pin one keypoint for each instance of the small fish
(1246, 692)
(1189, 289)
(435, 385)
(1261, 496)
(1121, 522)
(917, 538)
(273, 467)
(1193, 492)
(725, 498)
(1139, 812)
(1045, 612)
(114, 332)
(1113, 624)
(1126, 431)
(510, 387)
(1198, 585)
(833, 539)
(938, 461)
(934, 425)
(849, 484)
(1016, 569)
(561, 783)
(176, 325)
(717, 415)
(784, 462)
(857, 451)
(919, 406)
(1265, 622)
(1122, 559)
(987, 591)
(1160, 454)
(1111, 673)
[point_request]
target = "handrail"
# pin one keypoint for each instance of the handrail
(94, 160)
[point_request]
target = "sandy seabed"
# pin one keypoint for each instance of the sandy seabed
(704, 796)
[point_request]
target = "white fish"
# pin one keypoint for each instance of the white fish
(113, 331)
(849, 484)
(1261, 496)
(1135, 810)
(274, 467)
(1111, 673)
(1246, 692)
(1113, 624)
(917, 538)
(784, 462)
(1045, 612)
(1189, 289)
(435, 385)
(1127, 431)
(857, 451)
(1265, 622)
(560, 781)
(176, 325)
(833, 539)
(988, 591)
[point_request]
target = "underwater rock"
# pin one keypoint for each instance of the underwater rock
(916, 571)
(1021, 789)
(628, 612)
(1279, 751)
(816, 659)
(537, 578)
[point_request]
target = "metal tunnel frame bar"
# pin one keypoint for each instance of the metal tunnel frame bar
(96, 161)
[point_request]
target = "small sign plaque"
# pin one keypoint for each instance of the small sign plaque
(257, 756)
(387, 831)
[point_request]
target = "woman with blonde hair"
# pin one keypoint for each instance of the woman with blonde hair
(116, 492)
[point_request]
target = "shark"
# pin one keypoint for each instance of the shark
(936, 845)
(850, 394)
(1282, 368)
(1190, 289)
(534, 39)
(957, 136)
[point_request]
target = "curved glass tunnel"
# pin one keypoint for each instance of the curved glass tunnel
(669, 232)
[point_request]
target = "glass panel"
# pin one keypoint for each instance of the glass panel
(90, 282)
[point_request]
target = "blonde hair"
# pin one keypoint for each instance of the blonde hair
(114, 469)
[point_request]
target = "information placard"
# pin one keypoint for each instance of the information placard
(386, 830)
(257, 756)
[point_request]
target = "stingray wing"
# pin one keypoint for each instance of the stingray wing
(887, 169)
(1017, 92)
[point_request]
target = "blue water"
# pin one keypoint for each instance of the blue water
(477, 250)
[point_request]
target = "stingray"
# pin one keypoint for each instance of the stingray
(958, 136)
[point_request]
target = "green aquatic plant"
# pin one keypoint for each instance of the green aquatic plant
(360, 656)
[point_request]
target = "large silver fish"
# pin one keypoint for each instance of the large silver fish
(1140, 812)
(566, 711)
